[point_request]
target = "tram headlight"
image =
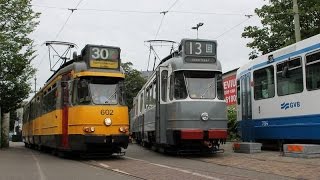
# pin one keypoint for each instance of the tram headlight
(204, 116)
(107, 121)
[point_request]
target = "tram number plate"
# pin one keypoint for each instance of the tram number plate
(106, 112)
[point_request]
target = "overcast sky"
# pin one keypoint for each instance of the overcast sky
(128, 23)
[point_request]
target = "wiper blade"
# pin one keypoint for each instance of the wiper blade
(206, 90)
(111, 96)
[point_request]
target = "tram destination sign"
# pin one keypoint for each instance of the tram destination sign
(104, 57)
(199, 51)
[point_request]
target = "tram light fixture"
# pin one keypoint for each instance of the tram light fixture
(88, 129)
(122, 129)
(204, 116)
(107, 121)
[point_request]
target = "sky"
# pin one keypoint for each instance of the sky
(129, 23)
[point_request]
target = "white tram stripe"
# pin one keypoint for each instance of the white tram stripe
(176, 169)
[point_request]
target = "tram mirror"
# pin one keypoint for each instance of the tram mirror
(83, 83)
(74, 55)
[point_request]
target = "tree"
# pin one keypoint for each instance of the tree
(277, 29)
(17, 21)
(133, 82)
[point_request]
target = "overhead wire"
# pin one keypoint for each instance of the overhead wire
(164, 14)
(140, 12)
(61, 29)
(225, 32)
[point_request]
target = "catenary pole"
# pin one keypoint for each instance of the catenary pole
(296, 21)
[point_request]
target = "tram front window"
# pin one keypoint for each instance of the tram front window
(200, 84)
(103, 93)
(100, 90)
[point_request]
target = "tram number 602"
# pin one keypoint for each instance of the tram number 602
(106, 112)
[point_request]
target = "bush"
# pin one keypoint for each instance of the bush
(232, 123)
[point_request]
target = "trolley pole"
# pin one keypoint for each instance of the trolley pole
(296, 21)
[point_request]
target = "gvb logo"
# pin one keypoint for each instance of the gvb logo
(287, 105)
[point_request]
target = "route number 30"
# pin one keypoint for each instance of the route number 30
(99, 53)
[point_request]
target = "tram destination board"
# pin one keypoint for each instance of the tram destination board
(199, 51)
(104, 57)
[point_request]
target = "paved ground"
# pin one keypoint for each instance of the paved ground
(18, 163)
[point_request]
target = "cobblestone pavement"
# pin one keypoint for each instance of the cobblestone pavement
(271, 162)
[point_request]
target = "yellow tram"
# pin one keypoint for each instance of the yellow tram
(81, 108)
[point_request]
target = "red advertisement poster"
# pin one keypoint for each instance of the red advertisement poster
(229, 86)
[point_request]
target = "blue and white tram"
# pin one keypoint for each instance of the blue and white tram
(277, 94)
(181, 108)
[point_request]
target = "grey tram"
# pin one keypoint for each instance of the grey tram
(181, 108)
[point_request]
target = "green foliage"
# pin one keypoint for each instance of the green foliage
(17, 21)
(232, 122)
(277, 29)
(133, 82)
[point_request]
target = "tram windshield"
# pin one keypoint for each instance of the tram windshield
(196, 84)
(101, 90)
(200, 84)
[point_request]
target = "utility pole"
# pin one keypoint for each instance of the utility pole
(0, 128)
(35, 85)
(296, 21)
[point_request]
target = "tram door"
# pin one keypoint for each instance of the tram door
(161, 107)
(65, 106)
(246, 107)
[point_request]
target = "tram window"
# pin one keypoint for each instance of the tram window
(263, 83)
(238, 92)
(220, 91)
(154, 94)
(122, 93)
(147, 104)
(313, 71)
(141, 102)
(171, 86)
(289, 77)
(136, 106)
(49, 101)
(164, 85)
(201, 84)
(180, 91)
(83, 92)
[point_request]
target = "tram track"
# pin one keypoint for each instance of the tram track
(106, 167)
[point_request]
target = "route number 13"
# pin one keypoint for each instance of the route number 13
(197, 50)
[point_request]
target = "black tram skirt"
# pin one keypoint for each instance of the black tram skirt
(91, 143)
